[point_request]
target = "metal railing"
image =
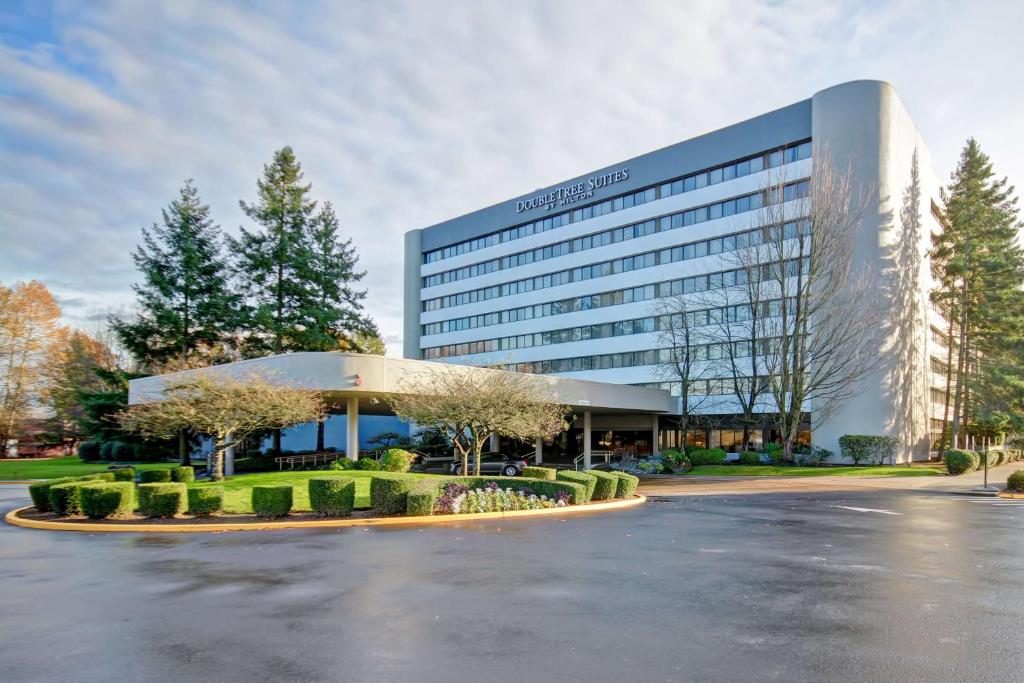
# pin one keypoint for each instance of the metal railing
(606, 456)
(306, 459)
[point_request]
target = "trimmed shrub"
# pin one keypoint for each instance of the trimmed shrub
(673, 459)
(773, 451)
(388, 493)
(1015, 482)
(547, 473)
(89, 451)
(960, 462)
(626, 485)
(162, 499)
(341, 464)
(332, 496)
(107, 450)
(701, 456)
(40, 492)
(124, 474)
(605, 486)
(585, 478)
(100, 500)
(422, 498)
(98, 476)
(122, 451)
(995, 458)
(272, 501)
(154, 476)
(870, 450)
(205, 500)
(541, 487)
(183, 474)
(396, 460)
(750, 458)
(367, 465)
(66, 498)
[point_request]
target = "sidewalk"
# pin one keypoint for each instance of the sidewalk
(685, 485)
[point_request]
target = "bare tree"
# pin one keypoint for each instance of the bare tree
(225, 407)
(681, 360)
(827, 334)
(468, 405)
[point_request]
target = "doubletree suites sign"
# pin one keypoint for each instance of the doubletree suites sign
(570, 194)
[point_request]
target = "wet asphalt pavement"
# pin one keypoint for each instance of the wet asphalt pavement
(778, 587)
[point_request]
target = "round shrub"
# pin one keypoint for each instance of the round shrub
(107, 450)
(66, 498)
(396, 460)
(154, 476)
(1015, 482)
(701, 456)
(162, 499)
(205, 500)
(422, 498)
(546, 473)
(332, 496)
(626, 485)
(98, 476)
(272, 501)
(388, 493)
(366, 464)
(341, 464)
(89, 451)
(124, 474)
(750, 458)
(605, 486)
(673, 459)
(40, 492)
(183, 474)
(122, 451)
(101, 500)
(587, 479)
(960, 462)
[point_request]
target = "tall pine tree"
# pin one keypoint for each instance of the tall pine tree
(186, 310)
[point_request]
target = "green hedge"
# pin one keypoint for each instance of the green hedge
(124, 474)
(107, 450)
(673, 459)
(606, 485)
(89, 451)
(961, 462)
(703, 456)
(422, 498)
(332, 496)
(750, 458)
(154, 476)
(162, 499)
(396, 460)
(205, 500)
(101, 500)
(866, 448)
(585, 478)
(271, 501)
(389, 493)
(66, 498)
(626, 485)
(541, 487)
(184, 474)
(40, 492)
(1015, 482)
(366, 464)
(547, 473)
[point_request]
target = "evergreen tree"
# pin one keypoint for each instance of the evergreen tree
(273, 261)
(185, 305)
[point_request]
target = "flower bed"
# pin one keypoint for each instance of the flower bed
(458, 499)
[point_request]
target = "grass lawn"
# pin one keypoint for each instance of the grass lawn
(237, 496)
(838, 471)
(70, 466)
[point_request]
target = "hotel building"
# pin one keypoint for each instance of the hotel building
(567, 280)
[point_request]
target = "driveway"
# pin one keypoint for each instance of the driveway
(872, 585)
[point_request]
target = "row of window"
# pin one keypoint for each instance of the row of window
(625, 359)
(699, 214)
(736, 169)
(695, 319)
(612, 236)
(711, 387)
(708, 247)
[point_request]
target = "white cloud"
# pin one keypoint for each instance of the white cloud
(405, 114)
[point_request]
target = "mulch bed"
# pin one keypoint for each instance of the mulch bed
(220, 518)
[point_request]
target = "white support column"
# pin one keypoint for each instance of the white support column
(538, 452)
(352, 433)
(655, 435)
(586, 440)
(229, 457)
(494, 445)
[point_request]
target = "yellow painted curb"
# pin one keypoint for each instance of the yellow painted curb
(1009, 494)
(13, 517)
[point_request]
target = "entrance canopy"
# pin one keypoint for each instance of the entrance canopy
(359, 382)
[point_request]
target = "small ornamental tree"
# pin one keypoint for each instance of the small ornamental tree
(225, 407)
(469, 405)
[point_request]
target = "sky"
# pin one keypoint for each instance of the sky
(404, 114)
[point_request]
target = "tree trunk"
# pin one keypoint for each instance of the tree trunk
(184, 449)
(320, 436)
(215, 466)
(960, 366)
(949, 388)
(276, 448)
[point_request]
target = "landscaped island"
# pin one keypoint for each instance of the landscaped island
(173, 495)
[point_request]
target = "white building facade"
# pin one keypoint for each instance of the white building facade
(567, 280)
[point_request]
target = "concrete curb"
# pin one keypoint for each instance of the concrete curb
(14, 519)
